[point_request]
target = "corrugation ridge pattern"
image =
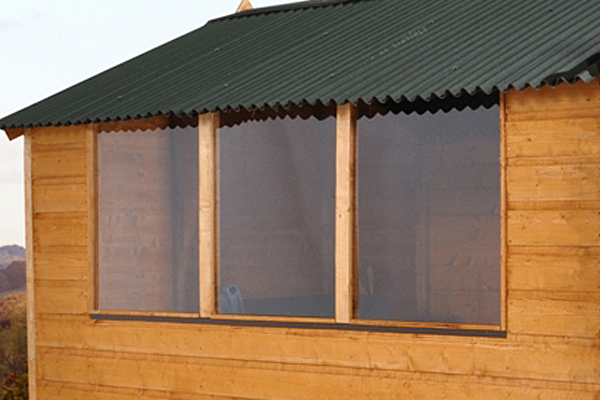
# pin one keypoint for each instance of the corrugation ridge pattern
(347, 50)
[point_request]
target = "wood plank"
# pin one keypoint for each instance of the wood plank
(345, 207)
(30, 269)
(551, 359)
(551, 272)
(554, 205)
(580, 95)
(540, 115)
(61, 197)
(248, 379)
(55, 390)
(56, 137)
(12, 134)
(564, 314)
(58, 164)
(554, 228)
(578, 251)
(208, 124)
(244, 6)
(60, 230)
(62, 297)
(555, 160)
(551, 138)
(554, 183)
(71, 264)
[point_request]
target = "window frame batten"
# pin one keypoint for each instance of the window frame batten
(208, 124)
(345, 214)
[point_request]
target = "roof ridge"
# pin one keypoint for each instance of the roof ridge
(302, 5)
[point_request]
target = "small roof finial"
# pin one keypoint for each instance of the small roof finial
(244, 6)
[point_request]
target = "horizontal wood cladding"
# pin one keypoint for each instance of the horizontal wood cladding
(262, 380)
(555, 313)
(554, 183)
(60, 230)
(572, 100)
(62, 264)
(65, 195)
(553, 228)
(572, 137)
(554, 270)
(457, 356)
(62, 297)
(59, 163)
(552, 350)
(56, 390)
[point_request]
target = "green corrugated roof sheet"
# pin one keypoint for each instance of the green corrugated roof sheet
(337, 51)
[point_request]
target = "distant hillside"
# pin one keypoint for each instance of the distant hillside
(9, 304)
(8, 254)
(13, 277)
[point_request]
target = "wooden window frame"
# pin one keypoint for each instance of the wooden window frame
(346, 243)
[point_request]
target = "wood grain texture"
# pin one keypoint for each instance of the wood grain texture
(573, 137)
(555, 272)
(526, 358)
(61, 230)
(207, 158)
(249, 379)
(30, 268)
(62, 297)
(345, 229)
(62, 264)
(571, 314)
(564, 97)
(554, 228)
(552, 281)
(554, 183)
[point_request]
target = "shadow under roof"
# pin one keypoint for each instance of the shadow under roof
(325, 52)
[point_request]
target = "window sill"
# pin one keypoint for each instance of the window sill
(422, 328)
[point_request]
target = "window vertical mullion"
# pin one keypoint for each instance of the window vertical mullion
(207, 159)
(345, 232)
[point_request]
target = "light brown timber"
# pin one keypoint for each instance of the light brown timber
(345, 252)
(552, 348)
(208, 124)
(244, 6)
(30, 268)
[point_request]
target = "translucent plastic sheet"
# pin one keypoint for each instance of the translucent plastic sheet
(276, 218)
(148, 220)
(429, 217)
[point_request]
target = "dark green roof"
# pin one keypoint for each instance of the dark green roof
(336, 51)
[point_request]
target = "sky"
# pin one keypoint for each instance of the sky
(47, 46)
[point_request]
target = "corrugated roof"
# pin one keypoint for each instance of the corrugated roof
(341, 50)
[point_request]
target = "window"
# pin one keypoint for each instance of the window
(148, 220)
(429, 217)
(276, 218)
(392, 220)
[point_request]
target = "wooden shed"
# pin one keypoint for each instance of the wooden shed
(343, 199)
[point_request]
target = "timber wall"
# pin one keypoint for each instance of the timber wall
(552, 349)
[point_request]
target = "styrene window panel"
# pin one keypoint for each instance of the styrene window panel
(276, 218)
(148, 220)
(429, 217)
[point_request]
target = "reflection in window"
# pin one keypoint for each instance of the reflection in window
(276, 218)
(148, 220)
(429, 217)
